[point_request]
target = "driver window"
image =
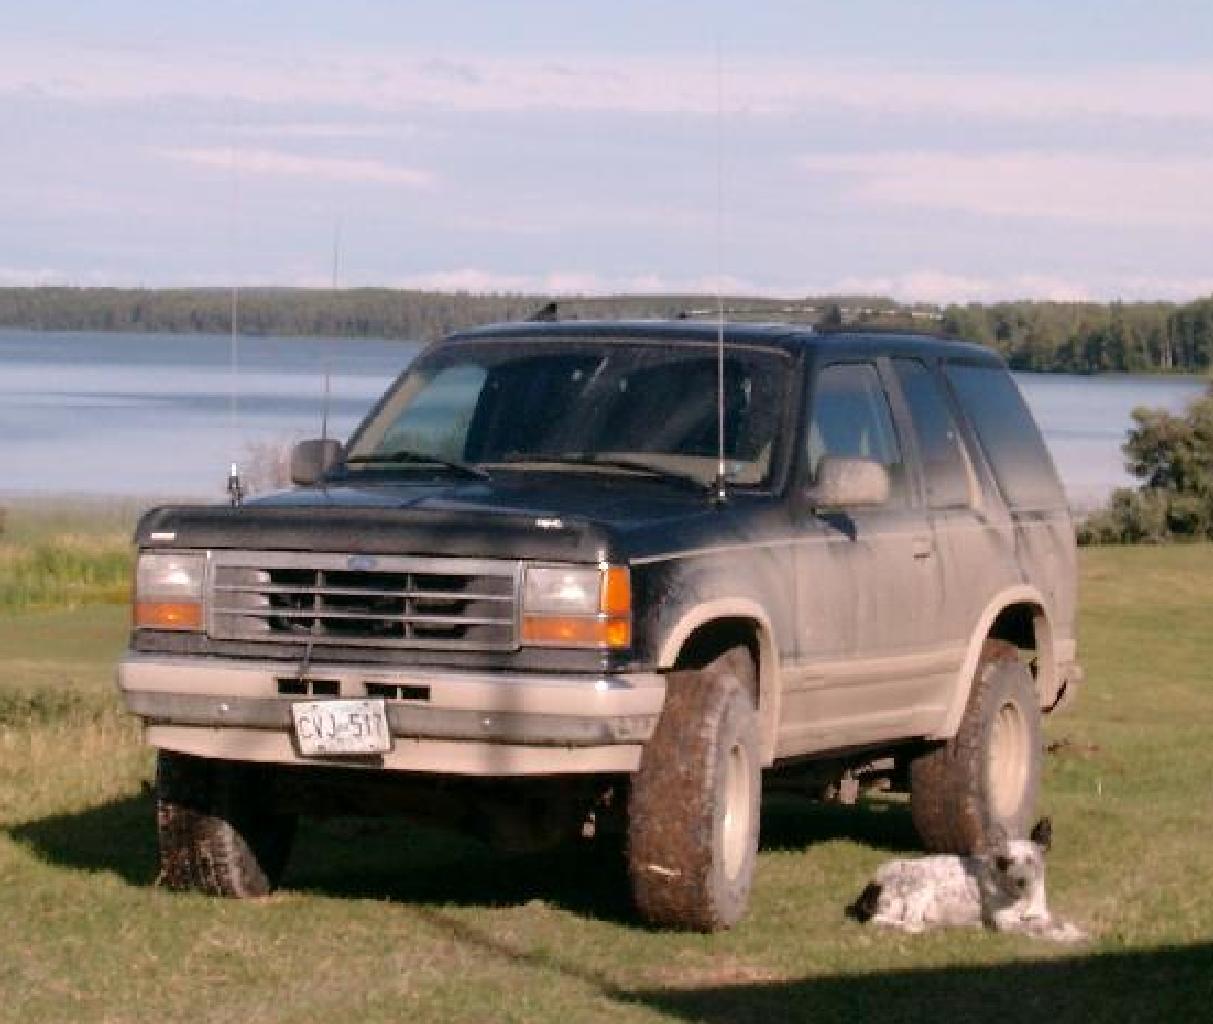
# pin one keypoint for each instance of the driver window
(852, 419)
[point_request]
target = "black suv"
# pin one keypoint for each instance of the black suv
(533, 595)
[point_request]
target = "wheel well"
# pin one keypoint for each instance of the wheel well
(1017, 625)
(1027, 627)
(712, 639)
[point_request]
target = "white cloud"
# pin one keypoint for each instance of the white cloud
(273, 162)
(1091, 189)
(324, 130)
(541, 217)
(943, 287)
(48, 277)
(663, 84)
(579, 282)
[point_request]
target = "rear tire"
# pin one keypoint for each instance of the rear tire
(218, 832)
(693, 810)
(983, 782)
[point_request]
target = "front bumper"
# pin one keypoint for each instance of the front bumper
(473, 723)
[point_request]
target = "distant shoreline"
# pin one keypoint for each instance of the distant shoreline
(1034, 336)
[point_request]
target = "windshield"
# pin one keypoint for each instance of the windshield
(585, 404)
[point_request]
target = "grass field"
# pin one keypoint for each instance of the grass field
(378, 921)
(69, 553)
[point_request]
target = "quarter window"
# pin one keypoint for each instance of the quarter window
(945, 469)
(1009, 435)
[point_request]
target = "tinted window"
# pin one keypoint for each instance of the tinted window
(1008, 435)
(436, 421)
(943, 463)
(851, 419)
(563, 402)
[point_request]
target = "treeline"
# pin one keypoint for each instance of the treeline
(1069, 337)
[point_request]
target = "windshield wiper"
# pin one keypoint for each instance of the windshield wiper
(418, 459)
(609, 462)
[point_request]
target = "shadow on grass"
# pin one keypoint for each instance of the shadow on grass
(1172, 983)
(409, 865)
(118, 837)
(385, 858)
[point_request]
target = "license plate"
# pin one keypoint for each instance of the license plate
(341, 727)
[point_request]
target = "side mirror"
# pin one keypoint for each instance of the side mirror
(849, 483)
(311, 460)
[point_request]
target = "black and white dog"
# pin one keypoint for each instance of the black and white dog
(1003, 889)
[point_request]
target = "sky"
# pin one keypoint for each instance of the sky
(951, 151)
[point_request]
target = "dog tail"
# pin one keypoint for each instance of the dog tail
(864, 908)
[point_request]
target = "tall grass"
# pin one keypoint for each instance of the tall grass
(55, 556)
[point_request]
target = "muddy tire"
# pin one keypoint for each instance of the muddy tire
(985, 780)
(218, 834)
(693, 809)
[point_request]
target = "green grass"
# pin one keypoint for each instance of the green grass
(65, 554)
(379, 921)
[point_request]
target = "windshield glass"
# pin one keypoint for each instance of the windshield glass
(573, 403)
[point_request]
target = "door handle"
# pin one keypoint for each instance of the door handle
(922, 547)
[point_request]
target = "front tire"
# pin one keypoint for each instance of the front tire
(983, 783)
(693, 810)
(218, 832)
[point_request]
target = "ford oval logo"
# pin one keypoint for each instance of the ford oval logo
(361, 563)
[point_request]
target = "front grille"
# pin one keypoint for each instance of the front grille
(359, 600)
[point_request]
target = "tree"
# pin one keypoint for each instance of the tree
(1172, 456)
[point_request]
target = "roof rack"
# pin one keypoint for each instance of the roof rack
(791, 309)
(550, 311)
(823, 314)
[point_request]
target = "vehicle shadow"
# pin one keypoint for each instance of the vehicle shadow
(1169, 983)
(117, 837)
(1173, 983)
(390, 858)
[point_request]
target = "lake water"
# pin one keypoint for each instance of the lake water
(148, 414)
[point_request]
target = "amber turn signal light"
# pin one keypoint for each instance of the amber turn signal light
(168, 615)
(576, 631)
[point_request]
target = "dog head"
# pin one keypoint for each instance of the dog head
(1017, 866)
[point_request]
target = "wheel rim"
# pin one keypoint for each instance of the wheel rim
(1007, 761)
(738, 805)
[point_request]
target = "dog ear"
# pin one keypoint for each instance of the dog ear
(1042, 834)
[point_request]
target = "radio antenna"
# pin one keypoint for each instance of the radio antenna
(328, 356)
(235, 489)
(720, 491)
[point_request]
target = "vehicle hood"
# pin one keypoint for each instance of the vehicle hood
(565, 516)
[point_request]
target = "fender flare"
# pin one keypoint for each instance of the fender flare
(1046, 666)
(768, 656)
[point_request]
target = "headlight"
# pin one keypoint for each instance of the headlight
(168, 590)
(575, 606)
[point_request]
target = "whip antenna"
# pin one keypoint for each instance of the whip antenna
(235, 489)
(328, 356)
(720, 492)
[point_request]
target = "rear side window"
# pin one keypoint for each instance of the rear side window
(944, 468)
(1008, 435)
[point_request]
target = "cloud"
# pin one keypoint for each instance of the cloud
(661, 84)
(50, 277)
(579, 282)
(943, 287)
(276, 163)
(1091, 189)
(325, 130)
